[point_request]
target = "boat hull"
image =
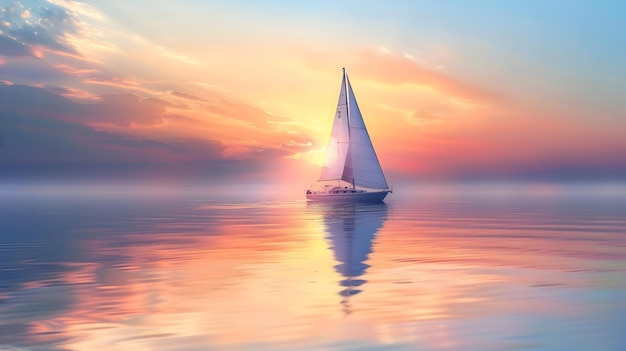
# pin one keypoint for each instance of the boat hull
(369, 196)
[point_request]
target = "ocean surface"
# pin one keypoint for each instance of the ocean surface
(472, 267)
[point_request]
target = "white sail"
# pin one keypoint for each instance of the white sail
(362, 167)
(337, 150)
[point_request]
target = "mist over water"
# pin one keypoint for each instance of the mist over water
(435, 267)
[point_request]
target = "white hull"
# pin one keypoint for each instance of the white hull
(365, 196)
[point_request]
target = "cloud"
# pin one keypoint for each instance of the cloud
(515, 146)
(40, 125)
(74, 71)
(46, 26)
(391, 68)
(127, 109)
(433, 114)
(65, 80)
(36, 148)
(44, 134)
(381, 65)
(185, 96)
(172, 54)
(185, 149)
(80, 8)
(13, 48)
(114, 109)
(34, 142)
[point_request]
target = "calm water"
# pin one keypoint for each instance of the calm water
(447, 269)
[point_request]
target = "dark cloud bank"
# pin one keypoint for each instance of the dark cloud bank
(43, 137)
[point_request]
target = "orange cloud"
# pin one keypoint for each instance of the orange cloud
(389, 68)
(66, 68)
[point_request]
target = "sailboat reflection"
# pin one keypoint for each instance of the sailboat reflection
(351, 228)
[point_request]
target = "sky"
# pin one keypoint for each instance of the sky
(245, 91)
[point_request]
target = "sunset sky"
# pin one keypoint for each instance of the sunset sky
(246, 90)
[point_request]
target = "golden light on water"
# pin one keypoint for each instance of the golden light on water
(157, 271)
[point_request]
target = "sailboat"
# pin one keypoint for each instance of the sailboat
(351, 171)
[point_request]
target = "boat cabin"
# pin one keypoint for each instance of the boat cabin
(344, 190)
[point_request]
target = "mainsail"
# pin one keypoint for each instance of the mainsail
(337, 150)
(350, 155)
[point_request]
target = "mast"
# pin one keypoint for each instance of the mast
(345, 79)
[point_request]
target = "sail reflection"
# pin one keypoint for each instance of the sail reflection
(351, 230)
